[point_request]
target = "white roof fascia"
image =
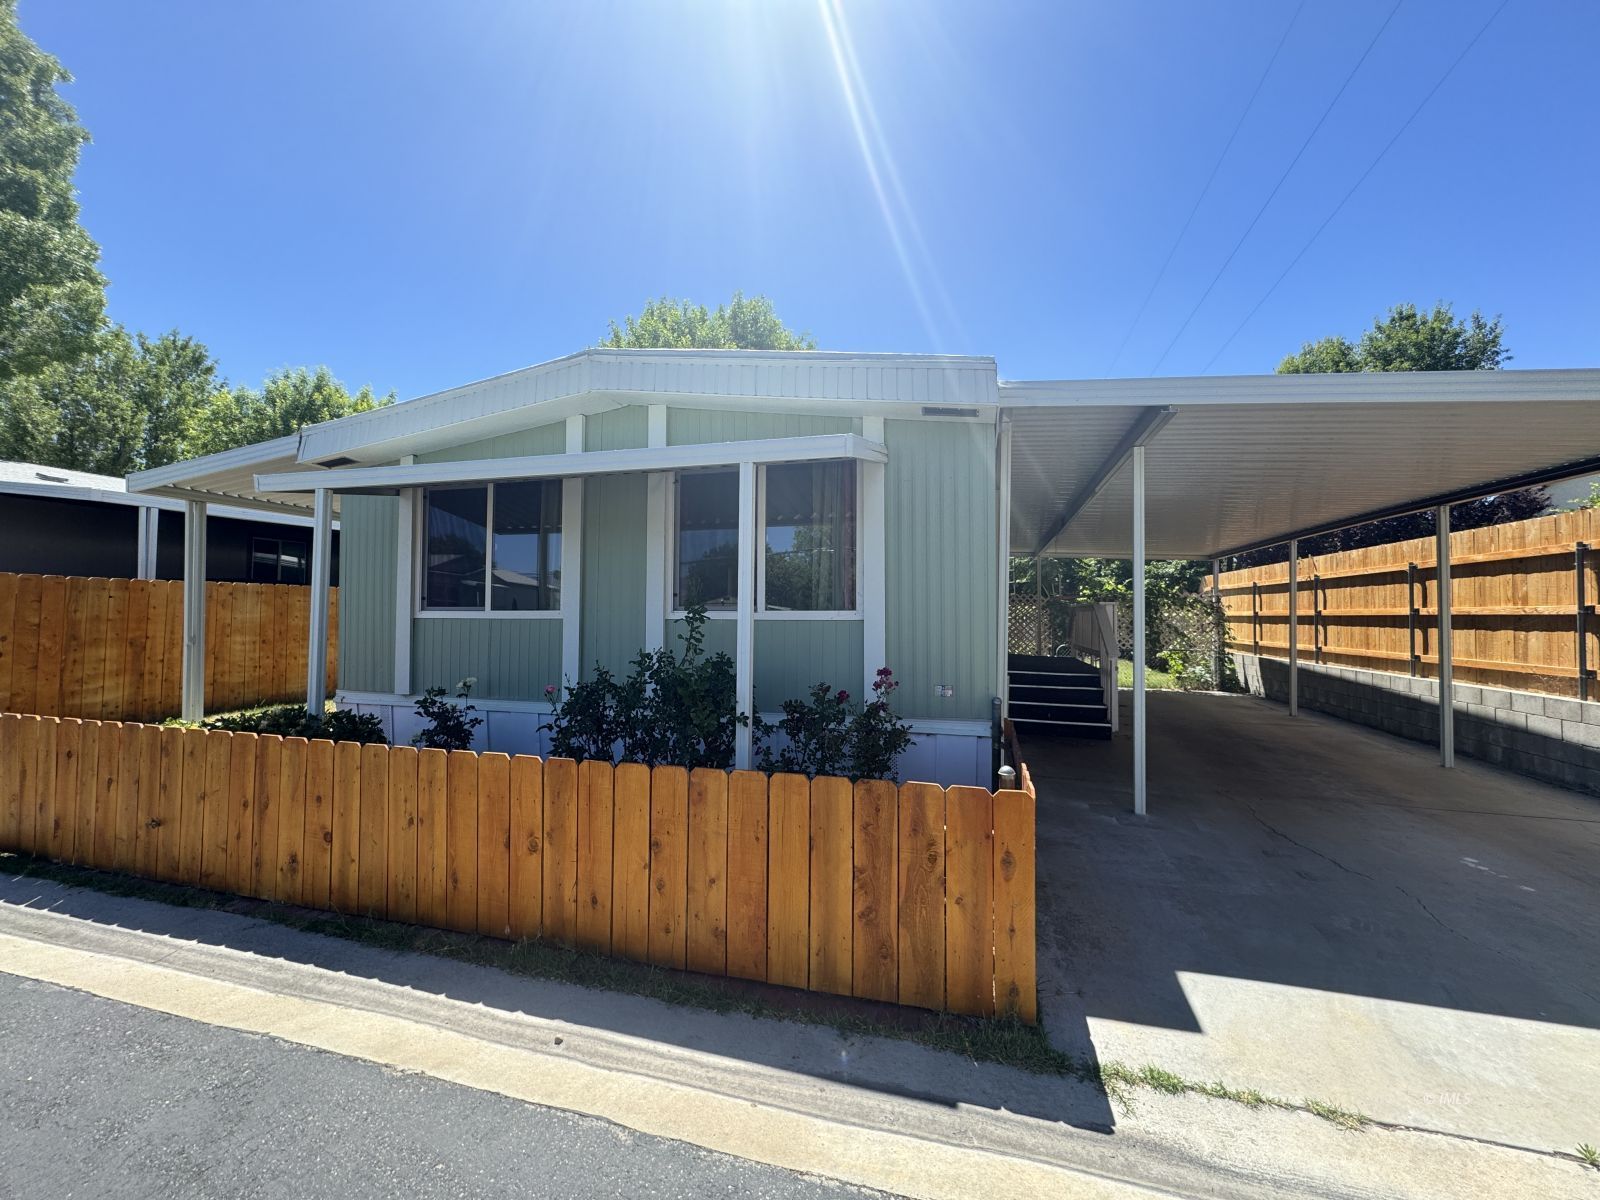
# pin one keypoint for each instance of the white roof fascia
(192, 469)
(1353, 387)
(597, 379)
(92, 495)
(593, 462)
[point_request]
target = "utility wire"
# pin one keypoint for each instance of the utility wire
(1372, 166)
(1273, 193)
(1206, 190)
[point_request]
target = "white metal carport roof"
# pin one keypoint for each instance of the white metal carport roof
(1251, 460)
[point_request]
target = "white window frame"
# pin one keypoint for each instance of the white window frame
(419, 555)
(760, 611)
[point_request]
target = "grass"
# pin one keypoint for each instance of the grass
(1004, 1041)
(1588, 1155)
(1154, 680)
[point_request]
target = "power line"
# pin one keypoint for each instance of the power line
(1206, 190)
(1273, 193)
(1372, 166)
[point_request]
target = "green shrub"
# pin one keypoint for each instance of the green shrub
(823, 735)
(449, 726)
(670, 708)
(292, 720)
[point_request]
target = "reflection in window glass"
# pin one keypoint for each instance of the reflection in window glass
(455, 548)
(273, 560)
(811, 537)
(707, 540)
(527, 546)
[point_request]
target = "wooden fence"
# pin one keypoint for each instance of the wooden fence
(915, 894)
(1522, 606)
(113, 648)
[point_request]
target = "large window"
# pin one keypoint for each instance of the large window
(810, 537)
(494, 548)
(806, 524)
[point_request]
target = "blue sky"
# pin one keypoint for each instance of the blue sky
(421, 195)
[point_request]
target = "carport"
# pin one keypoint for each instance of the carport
(1204, 468)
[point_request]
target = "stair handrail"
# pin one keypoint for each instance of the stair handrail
(1092, 636)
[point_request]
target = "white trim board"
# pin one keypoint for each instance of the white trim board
(577, 465)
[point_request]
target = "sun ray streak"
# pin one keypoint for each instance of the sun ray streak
(893, 203)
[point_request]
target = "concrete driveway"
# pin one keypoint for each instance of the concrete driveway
(1319, 911)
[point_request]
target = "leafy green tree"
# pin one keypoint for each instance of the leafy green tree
(1408, 340)
(289, 400)
(740, 324)
(128, 404)
(52, 295)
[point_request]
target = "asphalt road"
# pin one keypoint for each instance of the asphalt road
(99, 1098)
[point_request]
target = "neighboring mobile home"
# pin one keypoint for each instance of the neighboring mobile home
(836, 513)
(56, 521)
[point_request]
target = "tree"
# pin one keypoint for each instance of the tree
(52, 295)
(130, 403)
(288, 400)
(740, 324)
(1408, 340)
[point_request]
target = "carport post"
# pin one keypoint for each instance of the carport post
(192, 700)
(1447, 691)
(321, 566)
(1220, 649)
(1139, 778)
(1294, 627)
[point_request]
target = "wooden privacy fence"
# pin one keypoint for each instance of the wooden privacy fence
(915, 894)
(113, 648)
(1522, 606)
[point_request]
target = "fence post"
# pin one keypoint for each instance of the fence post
(1412, 662)
(1582, 608)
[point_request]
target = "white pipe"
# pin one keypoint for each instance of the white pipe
(192, 703)
(1447, 707)
(317, 631)
(1294, 627)
(745, 634)
(1139, 724)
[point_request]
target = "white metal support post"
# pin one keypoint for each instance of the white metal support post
(1220, 650)
(405, 569)
(873, 600)
(655, 536)
(192, 704)
(149, 541)
(1294, 627)
(572, 563)
(1140, 780)
(317, 643)
(745, 636)
(1003, 542)
(1447, 705)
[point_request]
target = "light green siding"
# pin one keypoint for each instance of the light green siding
(542, 439)
(367, 552)
(617, 429)
(511, 658)
(693, 426)
(612, 629)
(792, 656)
(940, 570)
(720, 635)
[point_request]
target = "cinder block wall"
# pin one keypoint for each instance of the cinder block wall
(1545, 737)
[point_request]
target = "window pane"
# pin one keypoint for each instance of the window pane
(811, 537)
(456, 542)
(708, 539)
(292, 563)
(527, 546)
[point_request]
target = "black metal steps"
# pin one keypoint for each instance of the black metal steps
(1057, 696)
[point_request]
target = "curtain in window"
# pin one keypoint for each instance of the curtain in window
(811, 537)
(708, 540)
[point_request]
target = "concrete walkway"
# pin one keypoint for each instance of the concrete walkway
(1318, 910)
